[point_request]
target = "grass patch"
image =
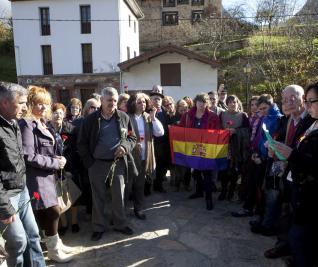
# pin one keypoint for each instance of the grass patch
(7, 68)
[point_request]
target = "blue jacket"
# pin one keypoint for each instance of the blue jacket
(271, 121)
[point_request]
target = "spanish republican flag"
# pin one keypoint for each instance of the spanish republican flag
(199, 149)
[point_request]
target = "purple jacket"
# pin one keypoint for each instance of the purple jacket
(41, 165)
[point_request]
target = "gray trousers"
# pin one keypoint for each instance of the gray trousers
(97, 174)
(136, 186)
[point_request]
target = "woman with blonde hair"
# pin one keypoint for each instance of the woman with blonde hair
(42, 164)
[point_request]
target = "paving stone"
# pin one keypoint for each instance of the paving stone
(177, 232)
(167, 244)
(208, 247)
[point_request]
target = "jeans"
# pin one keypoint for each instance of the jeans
(22, 236)
(272, 208)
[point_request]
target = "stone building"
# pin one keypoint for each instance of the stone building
(174, 21)
(72, 47)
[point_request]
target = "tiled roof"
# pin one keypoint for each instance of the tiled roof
(167, 49)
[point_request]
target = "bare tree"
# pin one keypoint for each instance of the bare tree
(217, 30)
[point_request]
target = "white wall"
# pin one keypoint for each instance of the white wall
(128, 37)
(196, 77)
(66, 38)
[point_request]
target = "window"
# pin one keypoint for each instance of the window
(128, 52)
(135, 26)
(197, 2)
(47, 60)
(169, 3)
(170, 74)
(87, 58)
(169, 18)
(45, 21)
(183, 2)
(196, 16)
(85, 19)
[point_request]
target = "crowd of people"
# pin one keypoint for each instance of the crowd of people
(116, 150)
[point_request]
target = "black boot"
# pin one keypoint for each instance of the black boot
(147, 189)
(198, 187)
(198, 192)
(222, 195)
(209, 203)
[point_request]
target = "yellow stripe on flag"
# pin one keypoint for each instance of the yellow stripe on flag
(210, 151)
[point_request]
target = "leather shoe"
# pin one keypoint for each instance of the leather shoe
(196, 195)
(75, 228)
(62, 230)
(222, 196)
(96, 236)
(275, 253)
(140, 215)
(159, 189)
(126, 231)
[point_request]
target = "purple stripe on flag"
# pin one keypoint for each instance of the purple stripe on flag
(200, 163)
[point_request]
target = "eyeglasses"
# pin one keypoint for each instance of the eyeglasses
(169, 104)
(290, 100)
(92, 107)
(310, 102)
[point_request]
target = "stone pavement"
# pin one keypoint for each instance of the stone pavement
(177, 232)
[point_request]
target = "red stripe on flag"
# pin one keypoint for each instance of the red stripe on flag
(199, 135)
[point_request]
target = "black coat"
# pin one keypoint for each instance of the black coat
(302, 163)
(12, 166)
(89, 134)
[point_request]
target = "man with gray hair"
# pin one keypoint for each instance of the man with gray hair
(157, 89)
(106, 139)
(294, 124)
(17, 222)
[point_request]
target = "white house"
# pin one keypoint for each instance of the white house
(179, 71)
(73, 46)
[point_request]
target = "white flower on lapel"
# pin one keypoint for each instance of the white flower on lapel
(123, 133)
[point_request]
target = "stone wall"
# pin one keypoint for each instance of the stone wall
(64, 87)
(154, 34)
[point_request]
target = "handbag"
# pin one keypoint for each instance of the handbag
(67, 192)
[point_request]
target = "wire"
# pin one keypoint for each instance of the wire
(159, 19)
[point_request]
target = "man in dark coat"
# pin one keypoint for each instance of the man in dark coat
(19, 228)
(290, 131)
(162, 146)
(106, 136)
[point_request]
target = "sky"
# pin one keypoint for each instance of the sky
(249, 5)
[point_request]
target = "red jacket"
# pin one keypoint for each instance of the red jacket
(209, 119)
